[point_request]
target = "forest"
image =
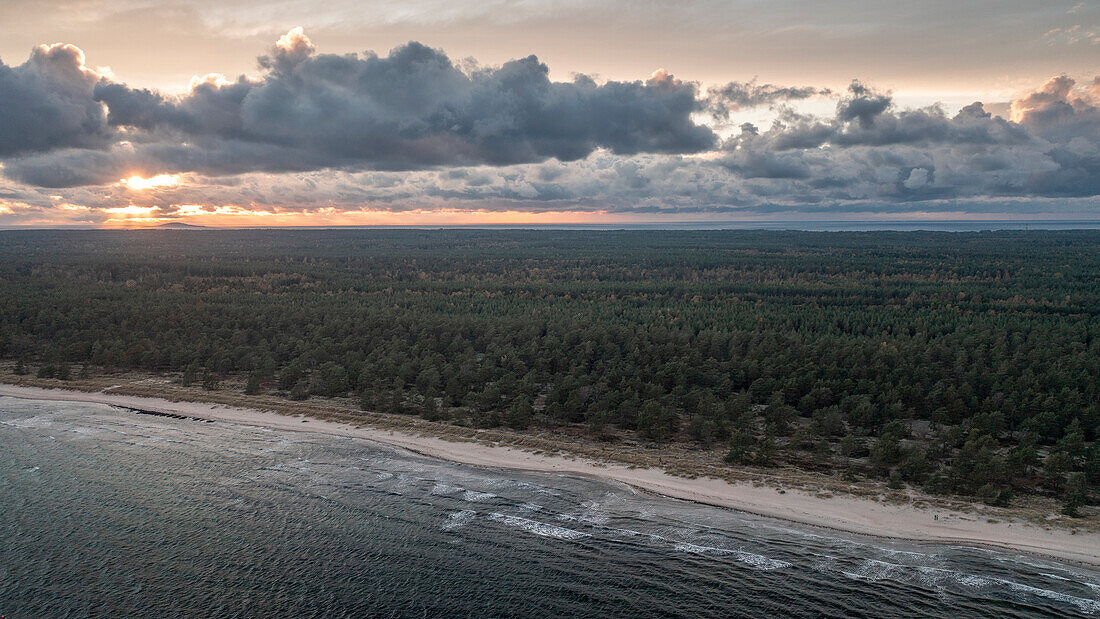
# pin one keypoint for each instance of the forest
(958, 363)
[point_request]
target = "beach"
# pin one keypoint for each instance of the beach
(845, 513)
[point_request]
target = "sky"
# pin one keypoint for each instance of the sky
(301, 112)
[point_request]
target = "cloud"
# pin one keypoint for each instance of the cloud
(47, 103)
(865, 117)
(871, 150)
(414, 130)
(409, 110)
(1058, 111)
(722, 101)
(864, 105)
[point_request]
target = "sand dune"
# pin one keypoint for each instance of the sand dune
(843, 513)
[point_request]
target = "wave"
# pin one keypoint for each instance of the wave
(442, 488)
(592, 514)
(748, 558)
(474, 496)
(538, 528)
(38, 421)
(458, 519)
(873, 570)
(1087, 606)
(596, 518)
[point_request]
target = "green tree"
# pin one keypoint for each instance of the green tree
(1075, 495)
(702, 430)
(429, 409)
(189, 375)
(914, 466)
(252, 387)
(1072, 442)
(1055, 467)
(649, 421)
(300, 390)
(767, 452)
(886, 453)
(852, 446)
(742, 445)
(1024, 456)
(779, 415)
(520, 413)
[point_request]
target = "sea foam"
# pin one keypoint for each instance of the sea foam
(538, 528)
(458, 519)
(873, 570)
(748, 558)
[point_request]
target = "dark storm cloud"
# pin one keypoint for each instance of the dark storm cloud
(871, 150)
(868, 118)
(413, 130)
(47, 103)
(1058, 111)
(411, 109)
(864, 105)
(722, 101)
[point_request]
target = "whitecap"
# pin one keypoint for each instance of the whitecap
(457, 520)
(873, 570)
(538, 528)
(748, 558)
(919, 556)
(38, 421)
(1085, 605)
(473, 496)
(592, 514)
(442, 488)
(588, 518)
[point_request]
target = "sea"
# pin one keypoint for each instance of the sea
(108, 512)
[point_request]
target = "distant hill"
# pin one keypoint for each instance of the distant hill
(178, 225)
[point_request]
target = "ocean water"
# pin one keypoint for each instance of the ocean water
(107, 512)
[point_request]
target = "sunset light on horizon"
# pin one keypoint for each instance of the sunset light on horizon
(160, 180)
(446, 130)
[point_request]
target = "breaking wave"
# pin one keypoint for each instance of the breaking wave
(748, 558)
(536, 527)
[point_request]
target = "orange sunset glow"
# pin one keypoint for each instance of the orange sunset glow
(160, 180)
(235, 217)
(422, 117)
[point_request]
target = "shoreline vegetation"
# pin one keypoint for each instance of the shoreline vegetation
(936, 370)
(1032, 525)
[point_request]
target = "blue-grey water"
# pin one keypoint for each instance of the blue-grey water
(107, 512)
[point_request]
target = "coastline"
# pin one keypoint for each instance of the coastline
(843, 513)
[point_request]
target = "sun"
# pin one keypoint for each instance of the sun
(160, 180)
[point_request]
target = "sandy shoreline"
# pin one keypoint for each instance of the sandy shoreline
(848, 514)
